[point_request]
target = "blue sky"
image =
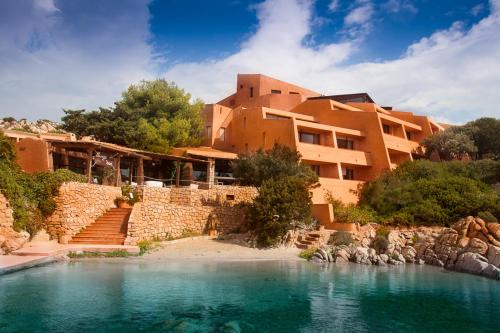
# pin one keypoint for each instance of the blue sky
(440, 58)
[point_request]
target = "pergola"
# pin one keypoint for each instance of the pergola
(111, 155)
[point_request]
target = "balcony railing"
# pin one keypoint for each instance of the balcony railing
(328, 154)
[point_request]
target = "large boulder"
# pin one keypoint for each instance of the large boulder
(473, 263)
(409, 253)
(11, 240)
(494, 255)
(477, 246)
(494, 229)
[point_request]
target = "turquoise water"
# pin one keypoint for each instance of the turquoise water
(246, 297)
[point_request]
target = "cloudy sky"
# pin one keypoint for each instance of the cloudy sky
(440, 58)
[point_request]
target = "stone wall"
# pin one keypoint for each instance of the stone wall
(6, 219)
(78, 205)
(169, 212)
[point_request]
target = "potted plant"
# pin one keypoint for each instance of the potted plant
(123, 202)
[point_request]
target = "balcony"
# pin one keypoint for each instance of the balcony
(344, 190)
(399, 144)
(319, 153)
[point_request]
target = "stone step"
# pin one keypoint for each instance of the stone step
(302, 246)
(312, 239)
(307, 242)
(100, 242)
(314, 234)
(103, 233)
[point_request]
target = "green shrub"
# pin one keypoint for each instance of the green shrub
(146, 246)
(342, 238)
(355, 214)
(281, 205)
(32, 196)
(380, 243)
(487, 217)
(130, 193)
(308, 253)
(433, 193)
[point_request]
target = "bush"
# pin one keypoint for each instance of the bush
(487, 217)
(355, 214)
(32, 196)
(381, 241)
(430, 193)
(342, 238)
(281, 205)
(308, 253)
(130, 193)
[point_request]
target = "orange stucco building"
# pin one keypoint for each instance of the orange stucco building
(346, 139)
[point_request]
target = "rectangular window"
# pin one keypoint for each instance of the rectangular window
(345, 143)
(209, 132)
(222, 134)
(409, 135)
(315, 168)
(274, 91)
(220, 109)
(251, 91)
(347, 174)
(312, 138)
(386, 128)
(293, 93)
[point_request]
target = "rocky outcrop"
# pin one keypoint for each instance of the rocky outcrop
(10, 240)
(39, 126)
(470, 246)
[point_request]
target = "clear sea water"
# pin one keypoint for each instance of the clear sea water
(245, 297)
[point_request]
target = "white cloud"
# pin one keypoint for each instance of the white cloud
(399, 6)
(334, 5)
(451, 75)
(358, 22)
(72, 54)
(477, 9)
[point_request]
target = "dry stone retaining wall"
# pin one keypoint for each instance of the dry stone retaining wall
(78, 205)
(169, 212)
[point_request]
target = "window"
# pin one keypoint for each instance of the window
(293, 93)
(220, 109)
(345, 143)
(209, 132)
(229, 197)
(315, 168)
(409, 135)
(251, 91)
(386, 128)
(241, 86)
(222, 134)
(309, 138)
(274, 91)
(347, 174)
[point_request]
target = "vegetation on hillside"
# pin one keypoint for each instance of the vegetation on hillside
(429, 193)
(31, 196)
(153, 115)
(284, 200)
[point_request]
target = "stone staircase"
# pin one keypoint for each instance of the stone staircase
(110, 228)
(309, 240)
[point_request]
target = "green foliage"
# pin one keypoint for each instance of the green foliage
(7, 150)
(130, 194)
(450, 144)
(487, 217)
(153, 115)
(111, 254)
(355, 214)
(146, 246)
(279, 162)
(308, 253)
(32, 196)
(342, 238)
(478, 139)
(282, 204)
(485, 133)
(429, 193)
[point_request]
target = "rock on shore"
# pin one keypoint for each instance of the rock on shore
(470, 245)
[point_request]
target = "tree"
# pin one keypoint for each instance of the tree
(485, 133)
(451, 144)
(284, 200)
(281, 161)
(282, 204)
(7, 151)
(153, 115)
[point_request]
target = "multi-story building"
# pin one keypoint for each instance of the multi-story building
(346, 139)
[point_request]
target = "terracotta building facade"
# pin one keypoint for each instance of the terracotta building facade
(346, 139)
